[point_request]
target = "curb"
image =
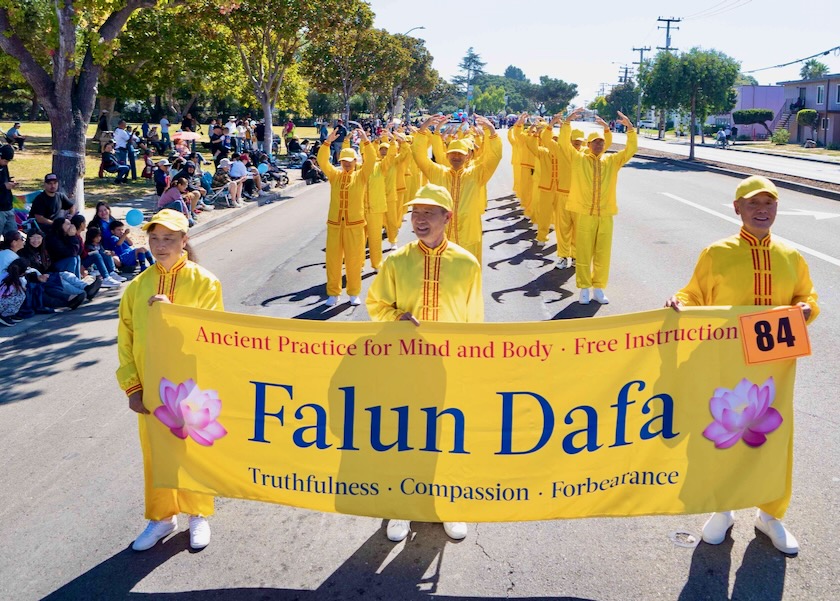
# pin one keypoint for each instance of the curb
(782, 183)
(274, 196)
(739, 148)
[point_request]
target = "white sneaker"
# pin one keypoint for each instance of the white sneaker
(109, 282)
(397, 530)
(205, 207)
(716, 527)
(584, 296)
(115, 276)
(780, 536)
(154, 531)
(93, 271)
(539, 243)
(562, 264)
(199, 532)
(455, 530)
(355, 301)
(331, 301)
(601, 297)
(394, 245)
(571, 262)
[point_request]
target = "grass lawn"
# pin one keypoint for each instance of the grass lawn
(31, 165)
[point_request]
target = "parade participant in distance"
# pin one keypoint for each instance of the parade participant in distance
(464, 182)
(346, 216)
(376, 201)
(174, 278)
(403, 290)
(593, 197)
(752, 269)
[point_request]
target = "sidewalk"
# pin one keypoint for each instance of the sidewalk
(746, 146)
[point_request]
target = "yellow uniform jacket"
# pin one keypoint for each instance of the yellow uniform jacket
(594, 179)
(185, 284)
(743, 270)
(465, 186)
(376, 200)
(347, 190)
(433, 284)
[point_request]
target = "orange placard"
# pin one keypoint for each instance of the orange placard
(774, 335)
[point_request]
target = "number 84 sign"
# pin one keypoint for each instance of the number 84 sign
(774, 335)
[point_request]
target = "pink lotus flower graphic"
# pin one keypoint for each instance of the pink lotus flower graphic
(189, 411)
(743, 413)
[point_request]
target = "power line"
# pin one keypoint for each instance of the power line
(836, 50)
(738, 4)
(667, 29)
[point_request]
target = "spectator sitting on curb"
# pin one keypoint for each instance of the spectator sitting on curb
(223, 178)
(311, 172)
(127, 256)
(162, 176)
(178, 199)
(251, 183)
(195, 190)
(61, 288)
(51, 204)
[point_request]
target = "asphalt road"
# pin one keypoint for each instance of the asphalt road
(71, 500)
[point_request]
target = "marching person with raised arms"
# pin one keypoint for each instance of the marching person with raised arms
(752, 268)
(592, 196)
(346, 216)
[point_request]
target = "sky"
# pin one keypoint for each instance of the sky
(589, 46)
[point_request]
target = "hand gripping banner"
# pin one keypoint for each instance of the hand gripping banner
(646, 413)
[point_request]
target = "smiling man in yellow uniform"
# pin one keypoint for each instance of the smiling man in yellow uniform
(464, 182)
(346, 216)
(593, 198)
(430, 279)
(752, 269)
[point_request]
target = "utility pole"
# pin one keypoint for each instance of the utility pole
(641, 52)
(667, 48)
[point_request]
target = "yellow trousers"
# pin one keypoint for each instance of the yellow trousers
(162, 503)
(564, 227)
(393, 220)
(345, 245)
(526, 186)
(402, 198)
(593, 239)
(373, 229)
(543, 206)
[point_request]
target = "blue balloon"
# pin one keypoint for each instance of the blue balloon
(134, 217)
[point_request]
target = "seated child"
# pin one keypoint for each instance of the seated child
(126, 255)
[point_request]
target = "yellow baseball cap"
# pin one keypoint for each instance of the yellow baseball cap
(384, 145)
(459, 146)
(578, 135)
(756, 184)
(171, 220)
(431, 194)
(595, 135)
(347, 154)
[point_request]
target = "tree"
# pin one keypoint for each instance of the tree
(471, 65)
(754, 117)
(624, 98)
(516, 74)
(63, 65)
(699, 81)
(555, 94)
(268, 36)
(808, 118)
(599, 105)
(813, 69)
(745, 80)
(322, 105)
(420, 78)
(443, 98)
(521, 94)
(491, 101)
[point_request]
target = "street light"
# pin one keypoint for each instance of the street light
(413, 28)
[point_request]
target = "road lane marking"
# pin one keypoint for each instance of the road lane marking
(804, 249)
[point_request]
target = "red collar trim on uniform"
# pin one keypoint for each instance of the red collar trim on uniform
(433, 251)
(179, 264)
(753, 241)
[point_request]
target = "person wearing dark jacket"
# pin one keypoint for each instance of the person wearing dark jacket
(7, 184)
(64, 247)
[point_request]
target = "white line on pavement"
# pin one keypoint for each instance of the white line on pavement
(797, 246)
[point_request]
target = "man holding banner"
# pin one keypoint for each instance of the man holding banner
(429, 279)
(752, 269)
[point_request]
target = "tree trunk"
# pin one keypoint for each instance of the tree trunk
(68, 143)
(693, 125)
(34, 108)
(106, 103)
(268, 111)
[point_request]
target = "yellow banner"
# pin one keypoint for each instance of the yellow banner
(647, 413)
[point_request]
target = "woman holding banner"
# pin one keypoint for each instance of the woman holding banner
(174, 278)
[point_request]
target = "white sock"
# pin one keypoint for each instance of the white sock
(765, 517)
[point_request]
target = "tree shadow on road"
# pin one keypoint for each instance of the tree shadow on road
(39, 351)
(413, 574)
